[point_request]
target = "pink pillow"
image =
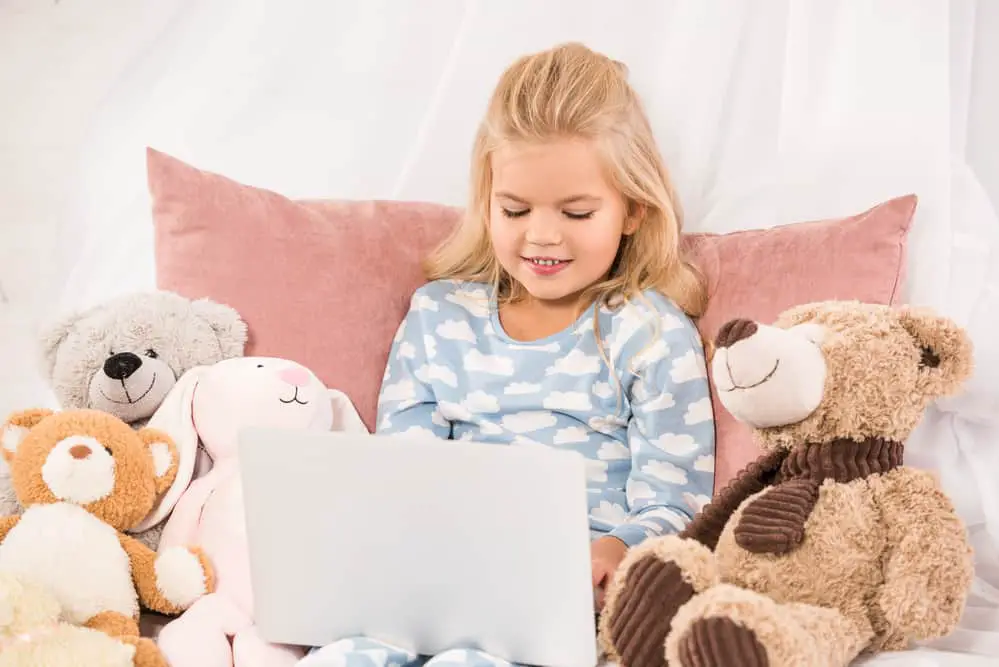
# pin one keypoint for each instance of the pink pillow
(757, 274)
(326, 283)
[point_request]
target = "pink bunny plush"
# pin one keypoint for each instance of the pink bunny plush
(205, 411)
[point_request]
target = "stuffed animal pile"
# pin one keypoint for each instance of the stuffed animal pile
(84, 477)
(825, 548)
(134, 451)
(123, 356)
(828, 546)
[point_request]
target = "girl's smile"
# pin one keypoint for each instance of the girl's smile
(546, 266)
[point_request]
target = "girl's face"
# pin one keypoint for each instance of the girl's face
(555, 220)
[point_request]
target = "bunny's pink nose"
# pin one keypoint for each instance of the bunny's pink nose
(295, 376)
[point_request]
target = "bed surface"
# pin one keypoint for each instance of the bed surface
(917, 658)
(925, 657)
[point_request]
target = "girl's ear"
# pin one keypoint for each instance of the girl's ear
(636, 213)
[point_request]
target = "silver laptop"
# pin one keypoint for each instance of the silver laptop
(422, 543)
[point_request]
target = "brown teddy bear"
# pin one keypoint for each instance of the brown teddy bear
(828, 546)
(84, 477)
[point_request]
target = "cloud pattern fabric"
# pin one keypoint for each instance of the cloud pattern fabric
(639, 412)
(363, 652)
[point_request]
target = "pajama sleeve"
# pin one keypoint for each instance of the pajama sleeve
(406, 403)
(671, 436)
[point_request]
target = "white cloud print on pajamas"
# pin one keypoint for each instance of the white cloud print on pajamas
(453, 372)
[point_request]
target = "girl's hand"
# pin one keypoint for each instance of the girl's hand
(606, 554)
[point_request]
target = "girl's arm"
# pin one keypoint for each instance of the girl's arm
(671, 435)
(406, 403)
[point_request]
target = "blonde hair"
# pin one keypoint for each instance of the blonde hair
(572, 91)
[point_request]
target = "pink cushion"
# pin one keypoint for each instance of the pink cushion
(758, 274)
(326, 283)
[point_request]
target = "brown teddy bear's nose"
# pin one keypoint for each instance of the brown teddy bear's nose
(79, 451)
(733, 331)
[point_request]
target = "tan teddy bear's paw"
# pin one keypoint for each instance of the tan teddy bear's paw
(183, 575)
(728, 625)
(653, 582)
(714, 642)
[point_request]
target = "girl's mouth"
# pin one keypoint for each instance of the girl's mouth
(546, 266)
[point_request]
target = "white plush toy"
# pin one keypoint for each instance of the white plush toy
(207, 408)
(33, 635)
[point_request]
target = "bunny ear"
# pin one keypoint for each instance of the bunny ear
(175, 417)
(345, 417)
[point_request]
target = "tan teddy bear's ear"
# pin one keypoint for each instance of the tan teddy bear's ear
(164, 453)
(946, 349)
(16, 427)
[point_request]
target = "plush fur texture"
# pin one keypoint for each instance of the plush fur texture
(83, 477)
(123, 357)
(32, 634)
(829, 546)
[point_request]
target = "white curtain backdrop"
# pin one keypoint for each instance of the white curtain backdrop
(380, 99)
(767, 111)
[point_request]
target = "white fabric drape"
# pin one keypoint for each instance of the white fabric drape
(768, 112)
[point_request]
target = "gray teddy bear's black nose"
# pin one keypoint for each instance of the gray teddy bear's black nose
(121, 365)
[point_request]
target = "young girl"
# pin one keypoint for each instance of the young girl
(559, 315)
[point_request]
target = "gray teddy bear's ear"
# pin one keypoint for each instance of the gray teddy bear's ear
(226, 323)
(51, 338)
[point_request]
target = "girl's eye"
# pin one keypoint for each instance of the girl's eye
(516, 214)
(151, 353)
(578, 216)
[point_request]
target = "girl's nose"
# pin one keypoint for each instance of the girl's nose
(543, 230)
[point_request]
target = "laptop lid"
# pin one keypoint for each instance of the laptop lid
(426, 544)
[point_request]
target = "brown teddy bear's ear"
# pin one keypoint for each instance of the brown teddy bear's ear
(16, 427)
(947, 354)
(164, 454)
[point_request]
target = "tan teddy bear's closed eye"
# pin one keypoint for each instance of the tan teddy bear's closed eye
(84, 477)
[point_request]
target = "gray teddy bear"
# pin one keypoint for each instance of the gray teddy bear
(124, 356)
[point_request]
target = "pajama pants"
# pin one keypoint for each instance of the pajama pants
(362, 652)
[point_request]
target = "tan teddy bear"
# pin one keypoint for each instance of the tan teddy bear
(828, 546)
(85, 476)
